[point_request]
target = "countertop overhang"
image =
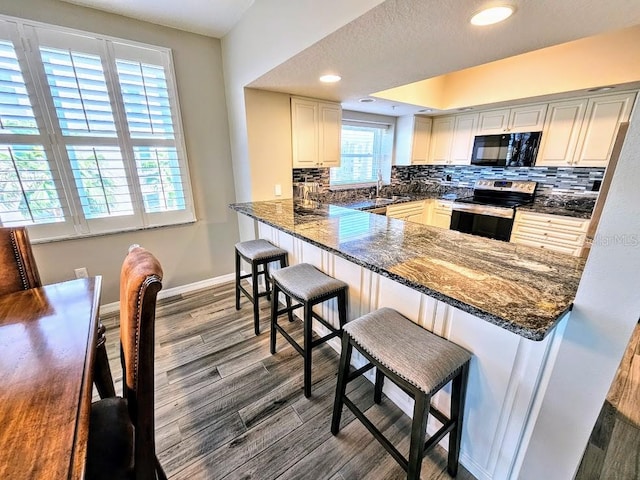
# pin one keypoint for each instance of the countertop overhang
(521, 289)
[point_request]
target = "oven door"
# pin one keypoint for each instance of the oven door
(488, 226)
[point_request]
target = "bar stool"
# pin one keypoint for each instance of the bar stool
(308, 286)
(257, 253)
(420, 363)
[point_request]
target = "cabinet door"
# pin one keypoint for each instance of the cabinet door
(441, 138)
(464, 132)
(493, 122)
(600, 127)
(529, 118)
(561, 132)
(329, 133)
(421, 140)
(304, 133)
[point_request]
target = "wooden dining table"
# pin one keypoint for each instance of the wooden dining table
(47, 349)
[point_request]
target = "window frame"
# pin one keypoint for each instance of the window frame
(359, 119)
(28, 37)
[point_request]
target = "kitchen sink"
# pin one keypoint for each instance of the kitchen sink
(379, 202)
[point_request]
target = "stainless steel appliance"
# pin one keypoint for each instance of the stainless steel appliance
(509, 149)
(490, 211)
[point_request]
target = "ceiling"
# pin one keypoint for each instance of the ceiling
(396, 43)
(206, 17)
(404, 41)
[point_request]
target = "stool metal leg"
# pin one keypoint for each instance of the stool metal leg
(418, 433)
(458, 394)
(256, 303)
(308, 319)
(274, 317)
(237, 280)
(341, 386)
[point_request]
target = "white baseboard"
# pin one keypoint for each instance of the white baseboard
(113, 307)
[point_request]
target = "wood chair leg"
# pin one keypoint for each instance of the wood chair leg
(377, 392)
(341, 386)
(418, 433)
(274, 317)
(256, 304)
(237, 280)
(102, 377)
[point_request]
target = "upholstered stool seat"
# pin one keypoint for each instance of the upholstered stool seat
(257, 253)
(420, 363)
(308, 286)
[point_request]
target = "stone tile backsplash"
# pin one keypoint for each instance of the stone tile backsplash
(552, 181)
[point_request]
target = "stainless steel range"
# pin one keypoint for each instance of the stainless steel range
(490, 211)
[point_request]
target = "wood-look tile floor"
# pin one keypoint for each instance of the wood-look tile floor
(227, 408)
(613, 451)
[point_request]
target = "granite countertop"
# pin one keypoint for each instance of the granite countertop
(577, 211)
(522, 289)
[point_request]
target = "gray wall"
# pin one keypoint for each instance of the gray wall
(188, 253)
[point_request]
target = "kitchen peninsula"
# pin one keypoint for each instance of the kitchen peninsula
(505, 303)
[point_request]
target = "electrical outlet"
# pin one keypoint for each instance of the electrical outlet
(278, 190)
(81, 272)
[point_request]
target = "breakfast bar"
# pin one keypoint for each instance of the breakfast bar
(505, 303)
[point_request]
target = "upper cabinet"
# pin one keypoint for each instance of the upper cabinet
(413, 135)
(452, 139)
(315, 133)
(528, 118)
(581, 132)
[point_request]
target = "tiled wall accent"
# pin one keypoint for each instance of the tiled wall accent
(551, 180)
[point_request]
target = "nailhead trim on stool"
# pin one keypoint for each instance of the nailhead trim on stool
(420, 363)
(309, 286)
(257, 253)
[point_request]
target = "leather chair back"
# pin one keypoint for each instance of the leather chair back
(18, 270)
(140, 282)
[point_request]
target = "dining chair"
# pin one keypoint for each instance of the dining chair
(18, 271)
(113, 450)
(18, 267)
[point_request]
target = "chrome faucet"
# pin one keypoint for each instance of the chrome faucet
(379, 184)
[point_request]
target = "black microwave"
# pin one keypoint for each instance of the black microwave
(506, 150)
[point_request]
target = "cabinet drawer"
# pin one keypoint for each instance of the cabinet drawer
(567, 249)
(551, 222)
(405, 209)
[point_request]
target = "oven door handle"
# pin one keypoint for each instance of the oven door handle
(480, 210)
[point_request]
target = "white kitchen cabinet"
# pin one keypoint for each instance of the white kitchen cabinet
(315, 133)
(600, 127)
(413, 135)
(452, 139)
(527, 118)
(581, 132)
(441, 214)
(561, 132)
(553, 232)
(409, 212)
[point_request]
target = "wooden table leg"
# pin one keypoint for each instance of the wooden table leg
(101, 371)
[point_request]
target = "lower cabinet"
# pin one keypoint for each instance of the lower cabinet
(508, 376)
(553, 232)
(441, 214)
(410, 211)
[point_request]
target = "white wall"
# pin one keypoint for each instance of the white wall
(606, 310)
(269, 33)
(188, 253)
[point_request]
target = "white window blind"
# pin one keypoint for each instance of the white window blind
(365, 151)
(90, 136)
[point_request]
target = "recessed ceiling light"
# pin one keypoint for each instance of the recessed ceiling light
(492, 15)
(330, 78)
(425, 110)
(367, 100)
(465, 109)
(600, 89)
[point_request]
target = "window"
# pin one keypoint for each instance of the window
(90, 136)
(366, 151)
